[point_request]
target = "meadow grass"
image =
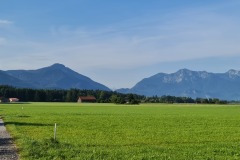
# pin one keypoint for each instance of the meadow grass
(109, 131)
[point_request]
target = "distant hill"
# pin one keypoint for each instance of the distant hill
(190, 84)
(9, 80)
(56, 76)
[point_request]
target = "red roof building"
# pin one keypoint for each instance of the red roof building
(89, 99)
(13, 99)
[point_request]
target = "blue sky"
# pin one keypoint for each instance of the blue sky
(118, 43)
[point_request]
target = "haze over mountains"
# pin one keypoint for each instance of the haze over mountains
(190, 84)
(56, 76)
(184, 82)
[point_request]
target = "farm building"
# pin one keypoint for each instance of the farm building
(89, 99)
(13, 99)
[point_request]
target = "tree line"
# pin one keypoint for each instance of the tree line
(71, 95)
(174, 99)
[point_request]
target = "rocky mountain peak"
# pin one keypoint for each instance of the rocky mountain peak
(184, 71)
(57, 65)
(191, 84)
(233, 72)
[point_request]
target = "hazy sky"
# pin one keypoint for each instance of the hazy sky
(120, 42)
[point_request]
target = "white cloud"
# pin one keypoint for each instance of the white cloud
(5, 22)
(177, 36)
(123, 51)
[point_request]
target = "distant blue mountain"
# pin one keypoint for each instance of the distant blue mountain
(190, 84)
(56, 76)
(9, 80)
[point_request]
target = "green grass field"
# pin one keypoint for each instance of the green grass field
(108, 131)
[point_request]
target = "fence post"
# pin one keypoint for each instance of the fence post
(55, 131)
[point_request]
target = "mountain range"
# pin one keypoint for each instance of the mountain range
(56, 76)
(184, 82)
(189, 83)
